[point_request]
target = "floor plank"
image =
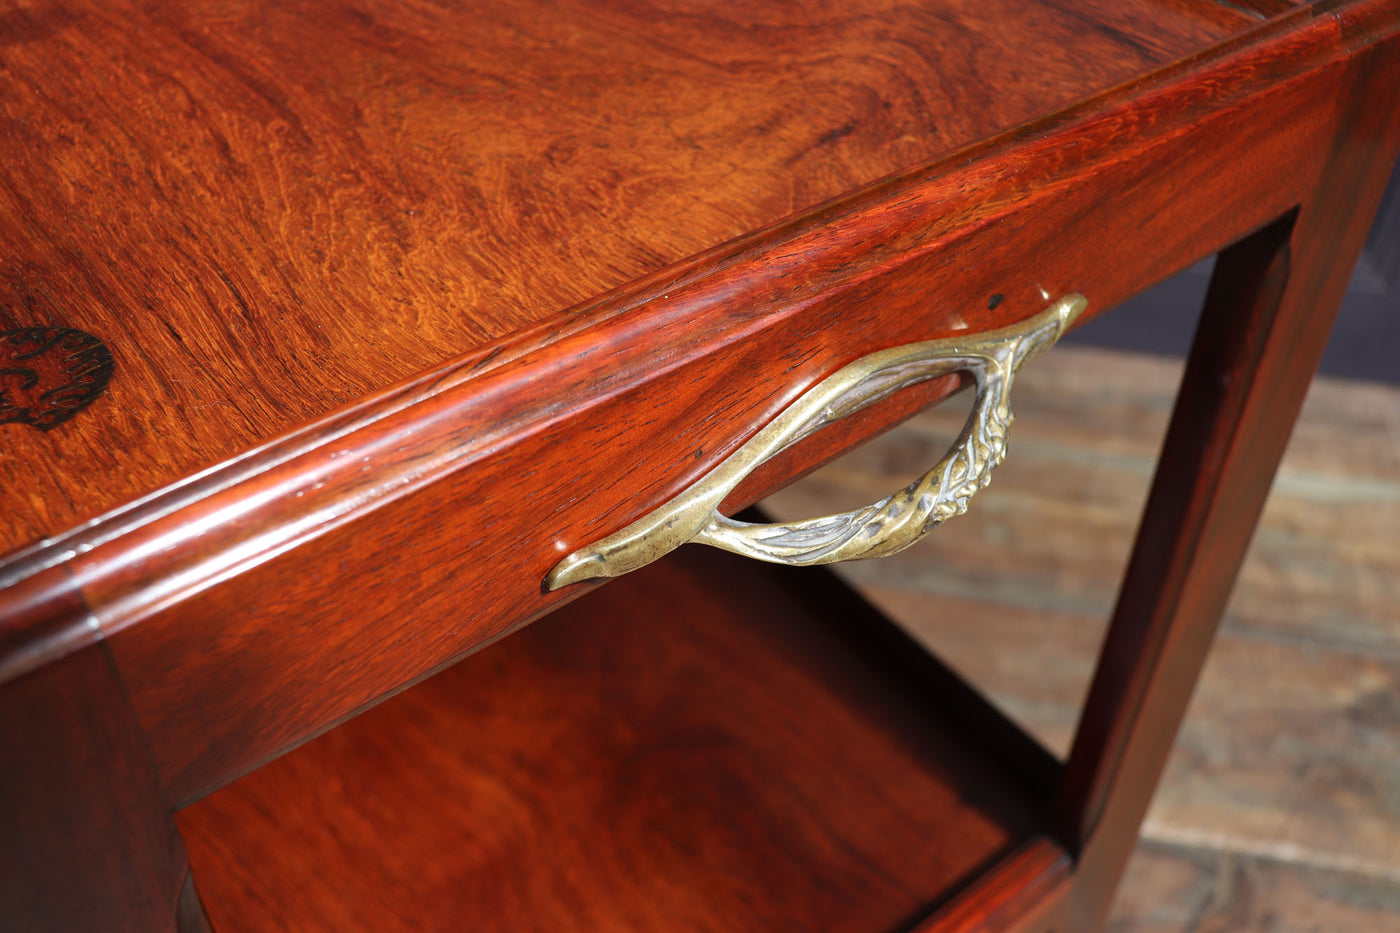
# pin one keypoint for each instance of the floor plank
(1171, 889)
(1289, 754)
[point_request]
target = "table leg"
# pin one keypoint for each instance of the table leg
(87, 842)
(1267, 316)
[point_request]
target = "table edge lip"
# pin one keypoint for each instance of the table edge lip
(42, 583)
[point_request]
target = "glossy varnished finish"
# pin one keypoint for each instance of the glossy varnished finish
(245, 511)
(269, 210)
(1265, 322)
(1020, 892)
(467, 547)
(667, 754)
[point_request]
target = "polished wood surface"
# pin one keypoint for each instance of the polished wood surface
(1266, 319)
(460, 503)
(1277, 806)
(272, 272)
(269, 210)
(390, 444)
(699, 746)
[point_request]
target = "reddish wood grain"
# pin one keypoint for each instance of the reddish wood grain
(263, 263)
(269, 210)
(466, 547)
(695, 747)
(1266, 321)
(1022, 891)
(87, 843)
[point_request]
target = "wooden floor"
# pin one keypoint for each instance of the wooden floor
(1280, 810)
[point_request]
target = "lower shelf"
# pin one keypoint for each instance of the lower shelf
(708, 744)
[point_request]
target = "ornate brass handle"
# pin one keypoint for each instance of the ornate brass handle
(888, 526)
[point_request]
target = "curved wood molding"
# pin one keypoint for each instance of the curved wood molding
(182, 539)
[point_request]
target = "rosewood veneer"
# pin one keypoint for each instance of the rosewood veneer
(327, 330)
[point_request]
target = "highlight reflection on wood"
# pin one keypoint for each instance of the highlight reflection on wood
(288, 206)
(405, 301)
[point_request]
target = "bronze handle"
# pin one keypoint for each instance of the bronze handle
(887, 526)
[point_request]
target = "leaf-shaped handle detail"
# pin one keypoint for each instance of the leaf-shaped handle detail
(887, 526)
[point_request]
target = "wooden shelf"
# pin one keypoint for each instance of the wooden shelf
(350, 319)
(706, 745)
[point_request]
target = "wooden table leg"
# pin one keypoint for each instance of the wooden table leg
(1267, 317)
(87, 842)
